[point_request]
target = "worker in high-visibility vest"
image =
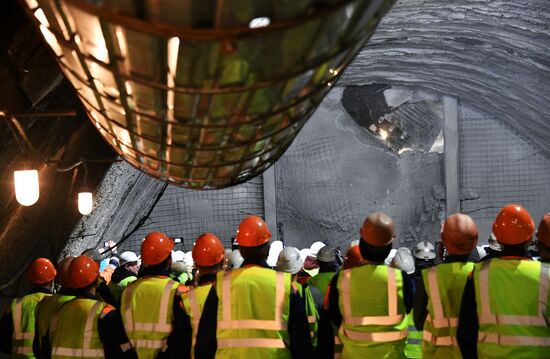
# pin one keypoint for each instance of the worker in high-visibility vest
(85, 327)
(440, 288)
(50, 304)
(543, 236)
(124, 274)
(289, 261)
(208, 255)
(368, 303)
(328, 266)
(252, 312)
(505, 306)
(151, 306)
(17, 325)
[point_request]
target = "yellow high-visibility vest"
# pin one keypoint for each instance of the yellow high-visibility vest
(193, 303)
(24, 322)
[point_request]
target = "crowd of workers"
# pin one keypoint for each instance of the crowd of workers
(382, 303)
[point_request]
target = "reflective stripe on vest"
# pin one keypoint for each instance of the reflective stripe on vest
(391, 319)
(148, 323)
(193, 302)
(439, 320)
(257, 325)
(277, 324)
(86, 349)
(24, 322)
(532, 332)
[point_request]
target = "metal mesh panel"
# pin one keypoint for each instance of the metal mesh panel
(187, 213)
(500, 166)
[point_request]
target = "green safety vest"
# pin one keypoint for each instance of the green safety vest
(117, 288)
(444, 285)
(24, 322)
(321, 281)
(413, 347)
(147, 313)
(193, 303)
(45, 310)
(374, 325)
(311, 310)
(253, 309)
(73, 329)
(513, 308)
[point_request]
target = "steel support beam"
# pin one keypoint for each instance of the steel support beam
(450, 133)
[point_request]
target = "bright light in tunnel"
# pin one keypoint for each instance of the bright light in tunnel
(259, 22)
(85, 203)
(383, 134)
(26, 187)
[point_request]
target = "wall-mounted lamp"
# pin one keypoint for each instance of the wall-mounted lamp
(27, 189)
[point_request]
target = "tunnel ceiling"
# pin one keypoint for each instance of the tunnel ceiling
(491, 54)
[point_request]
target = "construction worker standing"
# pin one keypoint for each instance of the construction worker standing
(151, 306)
(440, 288)
(85, 327)
(289, 261)
(208, 255)
(368, 303)
(543, 236)
(326, 258)
(124, 274)
(17, 325)
(504, 310)
(50, 304)
(252, 312)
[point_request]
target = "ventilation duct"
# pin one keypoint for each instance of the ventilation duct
(204, 94)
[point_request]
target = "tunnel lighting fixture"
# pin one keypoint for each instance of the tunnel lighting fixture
(27, 189)
(85, 202)
(209, 97)
(383, 134)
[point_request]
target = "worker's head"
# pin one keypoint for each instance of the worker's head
(156, 250)
(377, 235)
(459, 234)
(41, 272)
(63, 276)
(514, 227)
(289, 261)
(543, 236)
(84, 274)
(253, 238)
(326, 257)
(208, 253)
(129, 261)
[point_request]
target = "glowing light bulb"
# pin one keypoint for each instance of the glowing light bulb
(259, 22)
(85, 203)
(383, 134)
(26, 187)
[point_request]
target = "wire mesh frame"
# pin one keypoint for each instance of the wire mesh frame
(103, 77)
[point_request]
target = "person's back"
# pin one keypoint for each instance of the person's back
(253, 311)
(326, 258)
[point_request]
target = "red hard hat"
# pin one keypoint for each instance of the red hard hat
(513, 225)
(377, 229)
(543, 233)
(155, 248)
(459, 234)
(63, 277)
(83, 271)
(41, 271)
(253, 232)
(353, 258)
(208, 250)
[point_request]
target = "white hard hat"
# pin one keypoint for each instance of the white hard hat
(178, 256)
(424, 250)
(188, 259)
(289, 261)
(390, 256)
(236, 259)
(403, 260)
(315, 248)
(304, 253)
(274, 249)
(128, 257)
(481, 251)
(493, 243)
(326, 254)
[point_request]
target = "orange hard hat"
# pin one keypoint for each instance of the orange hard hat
(63, 277)
(208, 250)
(543, 233)
(377, 229)
(252, 232)
(41, 271)
(459, 234)
(513, 225)
(353, 258)
(83, 271)
(155, 248)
